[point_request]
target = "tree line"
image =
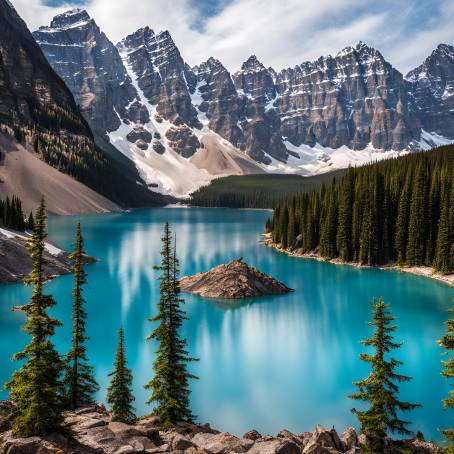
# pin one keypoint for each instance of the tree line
(47, 384)
(395, 211)
(256, 191)
(12, 216)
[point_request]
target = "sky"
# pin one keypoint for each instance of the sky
(282, 33)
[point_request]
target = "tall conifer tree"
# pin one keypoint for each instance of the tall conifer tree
(35, 387)
(79, 380)
(119, 394)
(170, 384)
(380, 388)
(447, 342)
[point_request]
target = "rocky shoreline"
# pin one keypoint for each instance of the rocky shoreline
(15, 262)
(90, 430)
(424, 271)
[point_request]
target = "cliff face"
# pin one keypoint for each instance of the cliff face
(91, 67)
(432, 87)
(352, 99)
(30, 91)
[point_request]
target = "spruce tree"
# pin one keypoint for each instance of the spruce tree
(379, 389)
(170, 384)
(36, 388)
(80, 384)
(30, 222)
(447, 342)
(119, 394)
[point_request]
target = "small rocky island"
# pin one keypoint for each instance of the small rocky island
(233, 280)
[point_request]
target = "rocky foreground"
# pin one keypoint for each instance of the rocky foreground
(233, 280)
(89, 430)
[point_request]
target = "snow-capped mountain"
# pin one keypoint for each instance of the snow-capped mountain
(183, 126)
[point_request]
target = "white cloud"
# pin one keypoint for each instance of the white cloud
(280, 33)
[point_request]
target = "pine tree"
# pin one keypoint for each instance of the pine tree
(35, 387)
(170, 384)
(119, 394)
(30, 222)
(447, 342)
(379, 388)
(79, 379)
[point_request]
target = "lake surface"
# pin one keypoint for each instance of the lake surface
(269, 363)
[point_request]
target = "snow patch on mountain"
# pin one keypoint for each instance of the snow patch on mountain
(306, 160)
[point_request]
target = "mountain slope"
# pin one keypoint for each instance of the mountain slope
(38, 109)
(23, 174)
(183, 126)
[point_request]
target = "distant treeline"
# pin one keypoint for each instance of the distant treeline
(257, 191)
(12, 215)
(399, 210)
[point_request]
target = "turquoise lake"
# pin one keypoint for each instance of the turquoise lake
(268, 363)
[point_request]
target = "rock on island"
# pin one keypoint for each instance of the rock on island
(233, 280)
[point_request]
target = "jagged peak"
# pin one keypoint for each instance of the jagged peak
(71, 18)
(134, 39)
(420, 72)
(252, 64)
(444, 50)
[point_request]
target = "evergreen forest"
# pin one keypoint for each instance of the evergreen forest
(394, 211)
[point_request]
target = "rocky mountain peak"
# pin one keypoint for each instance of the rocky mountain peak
(445, 50)
(252, 64)
(71, 18)
(90, 65)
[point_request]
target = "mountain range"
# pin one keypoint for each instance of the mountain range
(170, 128)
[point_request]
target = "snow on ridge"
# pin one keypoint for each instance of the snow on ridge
(9, 233)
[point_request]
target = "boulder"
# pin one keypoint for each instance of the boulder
(252, 435)
(286, 434)
(221, 443)
(181, 443)
(279, 446)
(315, 448)
(349, 438)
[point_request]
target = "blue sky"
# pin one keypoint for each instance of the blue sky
(281, 33)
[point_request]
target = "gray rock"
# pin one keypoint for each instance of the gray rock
(432, 86)
(221, 443)
(349, 438)
(280, 446)
(158, 147)
(181, 443)
(91, 67)
(182, 140)
(252, 435)
(139, 133)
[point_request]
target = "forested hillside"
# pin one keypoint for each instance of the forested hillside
(257, 191)
(399, 210)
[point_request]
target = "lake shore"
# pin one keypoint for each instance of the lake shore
(424, 271)
(92, 430)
